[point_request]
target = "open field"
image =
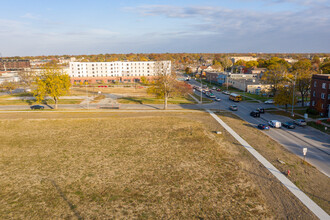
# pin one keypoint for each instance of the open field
(92, 91)
(153, 100)
(132, 165)
(4, 101)
(305, 176)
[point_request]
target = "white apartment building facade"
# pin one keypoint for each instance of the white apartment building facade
(118, 71)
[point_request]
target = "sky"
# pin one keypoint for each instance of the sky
(73, 27)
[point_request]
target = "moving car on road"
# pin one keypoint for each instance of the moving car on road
(300, 122)
(261, 110)
(270, 101)
(255, 114)
(226, 92)
(217, 99)
(263, 127)
(212, 95)
(233, 107)
(33, 107)
(275, 124)
(288, 124)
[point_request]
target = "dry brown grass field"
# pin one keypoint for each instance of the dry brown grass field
(126, 91)
(132, 165)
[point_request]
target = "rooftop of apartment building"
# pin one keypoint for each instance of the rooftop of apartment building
(321, 76)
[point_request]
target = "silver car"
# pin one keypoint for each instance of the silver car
(300, 122)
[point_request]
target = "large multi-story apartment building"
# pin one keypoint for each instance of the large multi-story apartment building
(119, 71)
(320, 93)
(9, 64)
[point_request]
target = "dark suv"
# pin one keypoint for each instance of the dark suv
(255, 114)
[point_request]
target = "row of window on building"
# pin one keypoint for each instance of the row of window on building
(115, 75)
(324, 85)
(322, 95)
(112, 64)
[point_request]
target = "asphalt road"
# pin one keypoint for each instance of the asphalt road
(316, 142)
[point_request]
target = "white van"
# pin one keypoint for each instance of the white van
(275, 123)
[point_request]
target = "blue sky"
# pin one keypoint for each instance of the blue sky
(44, 27)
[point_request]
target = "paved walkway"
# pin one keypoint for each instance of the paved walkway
(310, 204)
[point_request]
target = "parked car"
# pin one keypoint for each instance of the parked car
(33, 107)
(270, 101)
(263, 127)
(300, 122)
(226, 92)
(289, 124)
(218, 90)
(261, 110)
(217, 99)
(275, 123)
(233, 107)
(255, 114)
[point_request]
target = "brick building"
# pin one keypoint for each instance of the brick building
(320, 93)
(8, 64)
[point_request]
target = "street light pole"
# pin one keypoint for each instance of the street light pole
(294, 86)
(244, 87)
(87, 96)
(201, 90)
(227, 81)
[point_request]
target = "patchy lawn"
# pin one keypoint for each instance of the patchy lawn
(132, 165)
(154, 100)
(4, 101)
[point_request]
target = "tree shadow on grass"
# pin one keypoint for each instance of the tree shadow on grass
(71, 205)
(45, 103)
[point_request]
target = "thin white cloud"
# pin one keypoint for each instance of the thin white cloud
(30, 16)
(244, 21)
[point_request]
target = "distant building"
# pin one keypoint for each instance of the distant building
(249, 85)
(212, 76)
(244, 58)
(9, 64)
(38, 63)
(290, 60)
(118, 71)
(256, 70)
(320, 93)
(9, 76)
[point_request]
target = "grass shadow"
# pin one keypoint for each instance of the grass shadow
(70, 204)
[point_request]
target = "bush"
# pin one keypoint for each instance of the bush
(311, 111)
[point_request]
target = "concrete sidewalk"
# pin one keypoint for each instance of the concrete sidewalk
(310, 204)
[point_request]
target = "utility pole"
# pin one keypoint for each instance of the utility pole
(294, 87)
(201, 90)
